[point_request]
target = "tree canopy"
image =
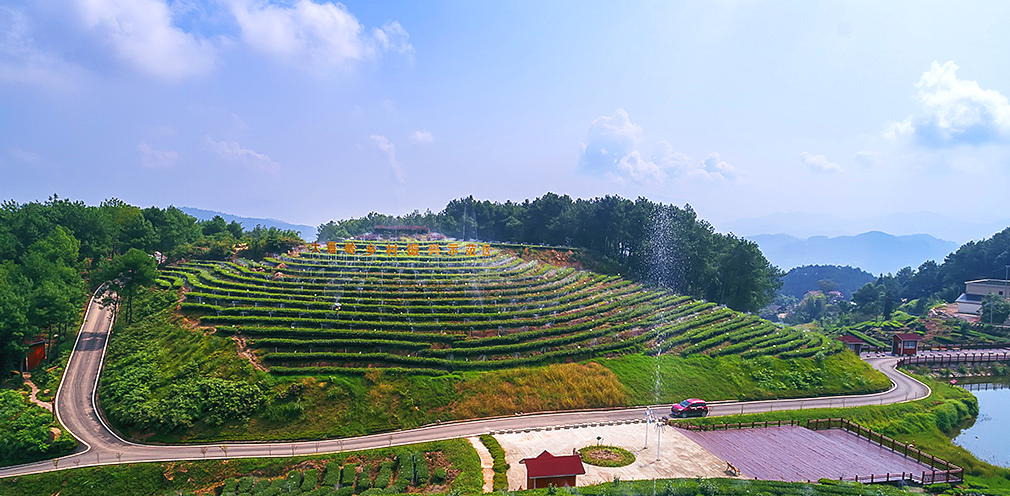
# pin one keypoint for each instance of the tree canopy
(660, 244)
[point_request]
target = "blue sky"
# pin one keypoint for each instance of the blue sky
(310, 110)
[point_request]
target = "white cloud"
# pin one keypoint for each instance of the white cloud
(609, 140)
(141, 32)
(21, 61)
(156, 159)
(420, 137)
(866, 158)
(391, 37)
(954, 111)
(314, 35)
(26, 156)
(235, 153)
(390, 150)
(611, 150)
(819, 163)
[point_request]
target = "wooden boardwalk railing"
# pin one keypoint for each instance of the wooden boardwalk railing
(943, 471)
(950, 359)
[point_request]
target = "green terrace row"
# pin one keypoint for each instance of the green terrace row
(239, 274)
(420, 310)
(643, 316)
(676, 306)
(467, 263)
(218, 282)
(513, 270)
(234, 316)
(506, 267)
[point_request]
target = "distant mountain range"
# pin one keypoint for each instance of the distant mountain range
(875, 252)
(308, 233)
(804, 225)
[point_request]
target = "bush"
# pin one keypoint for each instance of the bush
(229, 486)
(421, 474)
(332, 477)
(310, 479)
(439, 476)
(348, 474)
(364, 479)
(385, 475)
(245, 485)
(293, 480)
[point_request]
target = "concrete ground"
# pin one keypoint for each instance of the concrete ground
(678, 455)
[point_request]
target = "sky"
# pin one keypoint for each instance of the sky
(310, 110)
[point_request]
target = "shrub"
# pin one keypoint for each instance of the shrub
(310, 479)
(245, 485)
(385, 475)
(348, 474)
(439, 476)
(332, 477)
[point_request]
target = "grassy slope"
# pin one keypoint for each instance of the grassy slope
(339, 405)
(733, 378)
(207, 476)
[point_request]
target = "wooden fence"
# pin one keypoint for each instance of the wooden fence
(951, 359)
(943, 471)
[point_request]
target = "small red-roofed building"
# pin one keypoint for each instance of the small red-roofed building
(546, 470)
(35, 355)
(853, 343)
(905, 343)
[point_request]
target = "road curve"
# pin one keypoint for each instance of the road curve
(76, 410)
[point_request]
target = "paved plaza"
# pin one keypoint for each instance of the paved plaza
(679, 456)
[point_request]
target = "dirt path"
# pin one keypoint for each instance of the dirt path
(34, 394)
(486, 463)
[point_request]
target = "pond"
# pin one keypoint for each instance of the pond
(989, 437)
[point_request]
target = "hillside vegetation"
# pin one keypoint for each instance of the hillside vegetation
(344, 345)
(322, 314)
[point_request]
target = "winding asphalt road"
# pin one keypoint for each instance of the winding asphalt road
(76, 410)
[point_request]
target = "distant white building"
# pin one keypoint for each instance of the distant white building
(971, 300)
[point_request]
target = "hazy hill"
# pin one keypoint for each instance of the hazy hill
(799, 280)
(803, 225)
(875, 252)
(307, 232)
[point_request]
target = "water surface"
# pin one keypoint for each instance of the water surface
(989, 437)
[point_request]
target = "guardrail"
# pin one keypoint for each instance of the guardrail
(943, 471)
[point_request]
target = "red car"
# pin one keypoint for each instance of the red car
(690, 408)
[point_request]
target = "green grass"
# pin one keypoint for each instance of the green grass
(606, 456)
(735, 378)
(210, 476)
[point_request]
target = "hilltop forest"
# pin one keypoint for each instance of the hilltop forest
(661, 244)
(53, 253)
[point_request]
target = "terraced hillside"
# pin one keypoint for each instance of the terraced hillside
(324, 313)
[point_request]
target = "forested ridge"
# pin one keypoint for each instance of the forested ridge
(661, 244)
(53, 253)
